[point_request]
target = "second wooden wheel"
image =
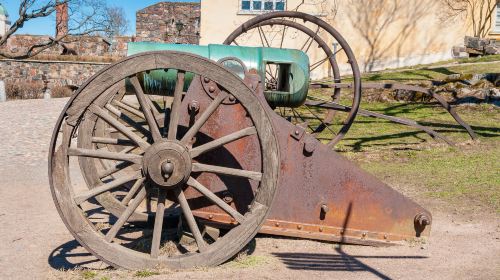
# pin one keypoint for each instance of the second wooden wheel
(315, 37)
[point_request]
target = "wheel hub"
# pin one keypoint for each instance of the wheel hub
(167, 164)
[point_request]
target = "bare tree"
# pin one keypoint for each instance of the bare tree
(326, 8)
(118, 23)
(85, 17)
(478, 13)
(385, 25)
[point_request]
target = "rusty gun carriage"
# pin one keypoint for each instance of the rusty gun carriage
(179, 155)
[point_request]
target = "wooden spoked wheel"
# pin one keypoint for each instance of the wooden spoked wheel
(296, 30)
(172, 173)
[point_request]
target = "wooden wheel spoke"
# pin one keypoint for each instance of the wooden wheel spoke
(79, 199)
(105, 155)
(253, 175)
(323, 125)
(125, 215)
(117, 167)
(112, 141)
(176, 107)
(154, 107)
(306, 43)
(112, 170)
(263, 37)
(312, 40)
(119, 126)
(215, 199)
(223, 141)
(317, 64)
(283, 36)
(188, 215)
(204, 117)
(158, 226)
(146, 108)
(129, 108)
(137, 126)
(132, 191)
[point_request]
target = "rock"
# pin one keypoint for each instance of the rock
(459, 52)
(475, 42)
(453, 78)
(492, 50)
(477, 46)
(494, 94)
(481, 84)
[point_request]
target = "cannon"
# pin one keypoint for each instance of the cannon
(178, 155)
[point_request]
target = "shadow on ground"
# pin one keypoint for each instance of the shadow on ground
(71, 255)
(334, 262)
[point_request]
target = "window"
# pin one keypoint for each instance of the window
(260, 6)
(497, 22)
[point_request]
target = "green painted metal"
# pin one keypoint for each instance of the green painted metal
(291, 67)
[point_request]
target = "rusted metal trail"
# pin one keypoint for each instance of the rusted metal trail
(366, 113)
(395, 86)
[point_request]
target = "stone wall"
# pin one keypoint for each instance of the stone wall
(81, 45)
(158, 23)
(19, 44)
(56, 73)
(119, 45)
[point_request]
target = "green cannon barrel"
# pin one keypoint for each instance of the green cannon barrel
(285, 71)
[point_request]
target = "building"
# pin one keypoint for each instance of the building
(4, 20)
(415, 33)
(409, 33)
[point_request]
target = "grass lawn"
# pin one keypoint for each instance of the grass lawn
(413, 162)
(408, 159)
(438, 71)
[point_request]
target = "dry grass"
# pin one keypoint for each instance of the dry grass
(26, 90)
(77, 58)
(61, 92)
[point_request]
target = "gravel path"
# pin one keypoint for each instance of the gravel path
(35, 244)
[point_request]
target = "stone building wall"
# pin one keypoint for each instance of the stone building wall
(57, 73)
(158, 23)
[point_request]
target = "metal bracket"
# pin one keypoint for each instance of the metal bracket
(297, 133)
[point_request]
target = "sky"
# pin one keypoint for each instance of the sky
(46, 26)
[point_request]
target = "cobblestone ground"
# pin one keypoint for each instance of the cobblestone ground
(34, 243)
(30, 228)
(25, 127)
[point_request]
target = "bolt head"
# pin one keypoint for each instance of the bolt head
(232, 98)
(167, 168)
(227, 198)
(211, 89)
(194, 106)
(206, 80)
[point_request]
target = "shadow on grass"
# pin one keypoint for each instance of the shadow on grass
(423, 74)
(360, 142)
